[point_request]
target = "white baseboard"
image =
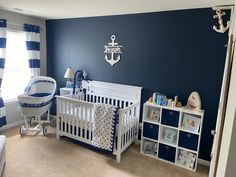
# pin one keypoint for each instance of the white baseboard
(204, 162)
(15, 124)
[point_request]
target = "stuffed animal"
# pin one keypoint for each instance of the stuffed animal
(194, 101)
(187, 158)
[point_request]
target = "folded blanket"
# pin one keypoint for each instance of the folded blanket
(104, 127)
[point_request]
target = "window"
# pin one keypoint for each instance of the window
(16, 73)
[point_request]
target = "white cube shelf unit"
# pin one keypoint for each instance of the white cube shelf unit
(172, 134)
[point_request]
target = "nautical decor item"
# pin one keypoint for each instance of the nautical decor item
(112, 48)
(222, 28)
(194, 101)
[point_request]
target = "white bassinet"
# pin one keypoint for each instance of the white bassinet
(36, 101)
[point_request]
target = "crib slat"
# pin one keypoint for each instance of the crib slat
(90, 123)
(62, 116)
(73, 119)
(120, 104)
(116, 103)
(123, 131)
(77, 120)
(131, 123)
(59, 114)
(69, 117)
(128, 126)
(81, 121)
(85, 122)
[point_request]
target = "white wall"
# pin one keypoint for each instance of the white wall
(16, 21)
(227, 158)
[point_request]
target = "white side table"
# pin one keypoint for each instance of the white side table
(65, 91)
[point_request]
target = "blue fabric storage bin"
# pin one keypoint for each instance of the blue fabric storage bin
(167, 152)
(170, 117)
(188, 140)
(150, 130)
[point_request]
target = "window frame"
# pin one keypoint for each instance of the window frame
(11, 100)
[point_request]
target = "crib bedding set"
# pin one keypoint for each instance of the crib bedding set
(106, 122)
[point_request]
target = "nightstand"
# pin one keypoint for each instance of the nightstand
(66, 91)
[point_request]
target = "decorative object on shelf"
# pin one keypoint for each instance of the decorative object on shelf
(177, 103)
(169, 135)
(154, 115)
(187, 159)
(112, 48)
(194, 101)
(191, 123)
(150, 100)
(155, 147)
(162, 100)
(222, 28)
(69, 75)
(148, 147)
(170, 102)
(175, 100)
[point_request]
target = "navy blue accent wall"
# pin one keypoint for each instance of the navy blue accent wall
(173, 52)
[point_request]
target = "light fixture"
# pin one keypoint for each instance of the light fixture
(69, 75)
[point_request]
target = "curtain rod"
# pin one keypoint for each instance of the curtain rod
(22, 26)
(18, 25)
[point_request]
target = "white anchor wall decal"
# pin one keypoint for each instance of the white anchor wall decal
(221, 28)
(112, 48)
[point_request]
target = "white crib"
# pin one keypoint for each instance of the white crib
(75, 113)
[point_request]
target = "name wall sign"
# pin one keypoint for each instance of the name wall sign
(114, 50)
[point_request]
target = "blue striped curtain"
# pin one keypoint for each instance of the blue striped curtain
(33, 48)
(3, 39)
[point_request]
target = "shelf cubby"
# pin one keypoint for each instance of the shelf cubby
(150, 147)
(186, 159)
(168, 135)
(152, 114)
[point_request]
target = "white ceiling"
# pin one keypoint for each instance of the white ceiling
(56, 9)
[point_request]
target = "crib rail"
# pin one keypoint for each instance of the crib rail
(115, 101)
(128, 126)
(74, 119)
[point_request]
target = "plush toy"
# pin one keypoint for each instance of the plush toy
(194, 101)
(187, 158)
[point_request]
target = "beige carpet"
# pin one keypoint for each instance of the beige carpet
(39, 156)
